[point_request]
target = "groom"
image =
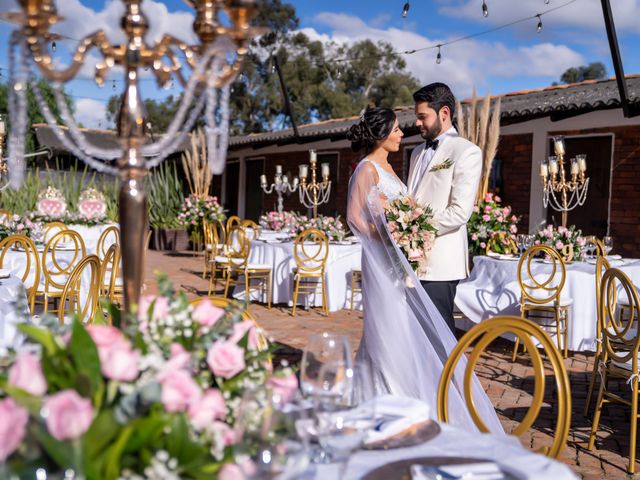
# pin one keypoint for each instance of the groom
(444, 174)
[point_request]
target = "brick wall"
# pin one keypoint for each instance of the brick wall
(515, 153)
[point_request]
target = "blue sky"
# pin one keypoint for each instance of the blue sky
(511, 59)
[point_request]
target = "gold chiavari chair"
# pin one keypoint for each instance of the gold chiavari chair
(213, 245)
(602, 266)
(225, 303)
(232, 221)
(71, 302)
(109, 268)
(251, 229)
(58, 263)
(356, 284)
(541, 294)
(310, 251)
(620, 351)
(600, 251)
(52, 228)
(31, 273)
(108, 237)
(236, 263)
(528, 332)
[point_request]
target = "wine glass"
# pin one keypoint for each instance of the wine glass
(529, 241)
(321, 349)
(607, 243)
(590, 246)
(521, 241)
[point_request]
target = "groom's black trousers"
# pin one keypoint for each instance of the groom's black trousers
(442, 295)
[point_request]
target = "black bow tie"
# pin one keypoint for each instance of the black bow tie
(431, 144)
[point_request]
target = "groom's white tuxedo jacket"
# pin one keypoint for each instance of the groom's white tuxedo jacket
(450, 191)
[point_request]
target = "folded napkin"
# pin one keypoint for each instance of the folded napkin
(613, 262)
(470, 471)
(613, 257)
(395, 414)
(5, 273)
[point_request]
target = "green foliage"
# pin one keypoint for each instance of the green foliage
(110, 190)
(165, 195)
(23, 200)
(593, 71)
(71, 182)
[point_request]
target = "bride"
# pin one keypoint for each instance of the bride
(405, 340)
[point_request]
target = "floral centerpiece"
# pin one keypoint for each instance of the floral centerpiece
(332, 226)
(411, 227)
(563, 240)
(155, 401)
(196, 209)
(17, 225)
(279, 221)
(492, 225)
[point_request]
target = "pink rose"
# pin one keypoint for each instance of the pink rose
(415, 254)
(225, 432)
(497, 199)
(180, 359)
(68, 415)
(13, 426)
(160, 307)
(488, 197)
(26, 373)
(392, 227)
(106, 337)
(488, 208)
(285, 386)
(476, 209)
(120, 364)
(206, 313)
(559, 245)
(483, 245)
(514, 218)
(206, 409)
(240, 329)
(231, 471)
(178, 391)
(474, 237)
(486, 218)
(225, 359)
(506, 211)
(513, 229)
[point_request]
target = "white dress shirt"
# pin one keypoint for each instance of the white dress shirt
(423, 161)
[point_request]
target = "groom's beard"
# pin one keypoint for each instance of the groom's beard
(431, 133)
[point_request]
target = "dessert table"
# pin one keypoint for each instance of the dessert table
(278, 254)
(493, 289)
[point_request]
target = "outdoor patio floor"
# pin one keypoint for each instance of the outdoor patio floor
(509, 385)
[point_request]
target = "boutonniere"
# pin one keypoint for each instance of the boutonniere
(442, 165)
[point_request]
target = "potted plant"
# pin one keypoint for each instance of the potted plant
(165, 200)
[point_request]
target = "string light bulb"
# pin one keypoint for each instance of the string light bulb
(405, 10)
(485, 9)
(53, 46)
(539, 27)
(439, 56)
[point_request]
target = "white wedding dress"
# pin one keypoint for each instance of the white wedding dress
(405, 340)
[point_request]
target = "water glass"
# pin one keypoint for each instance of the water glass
(607, 243)
(320, 350)
(521, 241)
(590, 246)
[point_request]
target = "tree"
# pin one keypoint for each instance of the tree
(159, 112)
(34, 115)
(593, 71)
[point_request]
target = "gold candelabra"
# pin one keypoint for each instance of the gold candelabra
(562, 193)
(213, 63)
(314, 193)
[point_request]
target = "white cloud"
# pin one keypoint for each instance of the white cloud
(580, 13)
(91, 113)
(466, 64)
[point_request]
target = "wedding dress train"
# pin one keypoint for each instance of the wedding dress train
(405, 339)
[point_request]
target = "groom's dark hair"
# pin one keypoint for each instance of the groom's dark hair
(437, 95)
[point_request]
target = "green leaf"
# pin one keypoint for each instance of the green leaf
(42, 336)
(60, 452)
(32, 403)
(113, 456)
(85, 355)
(103, 430)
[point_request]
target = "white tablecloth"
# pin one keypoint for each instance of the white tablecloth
(452, 442)
(90, 235)
(13, 310)
(492, 289)
(342, 259)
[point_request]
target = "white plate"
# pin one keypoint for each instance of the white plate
(5, 273)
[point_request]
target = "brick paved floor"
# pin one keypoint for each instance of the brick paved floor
(509, 385)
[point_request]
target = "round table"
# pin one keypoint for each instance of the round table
(14, 309)
(492, 289)
(279, 255)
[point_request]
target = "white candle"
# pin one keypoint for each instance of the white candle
(325, 170)
(304, 171)
(544, 169)
(263, 180)
(278, 179)
(285, 179)
(553, 166)
(313, 156)
(582, 164)
(1, 127)
(558, 144)
(295, 181)
(278, 169)
(574, 167)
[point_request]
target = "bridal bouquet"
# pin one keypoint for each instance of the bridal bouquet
(411, 227)
(155, 401)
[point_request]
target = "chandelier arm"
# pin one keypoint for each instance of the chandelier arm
(163, 48)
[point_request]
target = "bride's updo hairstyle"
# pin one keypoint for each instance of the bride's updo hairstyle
(375, 124)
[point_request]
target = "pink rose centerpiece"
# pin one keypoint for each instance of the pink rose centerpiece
(560, 237)
(122, 403)
(492, 224)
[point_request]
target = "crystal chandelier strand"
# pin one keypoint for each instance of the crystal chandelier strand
(17, 111)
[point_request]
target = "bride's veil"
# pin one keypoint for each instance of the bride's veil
(405, 336)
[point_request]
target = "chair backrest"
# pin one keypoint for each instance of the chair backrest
(108, 237)
(85, 277)
(621, 341)
(56, 264)
(311, 250)
(251, 228)
(602, 265)
(52, 228)
(238, 246)
(534, 338)
(109, 269)
(541, 287)
(213, 234)
(232, 221)
(22, 243)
